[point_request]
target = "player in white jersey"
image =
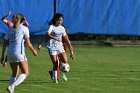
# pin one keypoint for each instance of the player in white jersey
(15, 38)
(55, 46)
(9, 23)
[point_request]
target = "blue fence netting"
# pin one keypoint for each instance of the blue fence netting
(101, 16)
(37, 12)
(111, 17)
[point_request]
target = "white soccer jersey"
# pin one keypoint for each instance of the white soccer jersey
(16, 39)
(57, 32)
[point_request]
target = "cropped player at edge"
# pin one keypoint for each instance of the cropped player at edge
(9, 23)
(14, 38)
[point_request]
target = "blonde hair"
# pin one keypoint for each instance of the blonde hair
(17, 20)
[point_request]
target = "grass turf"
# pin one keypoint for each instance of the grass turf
(94, 70)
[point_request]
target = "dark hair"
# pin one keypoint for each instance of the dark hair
(57, 16)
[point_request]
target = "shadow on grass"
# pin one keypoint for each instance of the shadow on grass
(4, 81)
(29, 81)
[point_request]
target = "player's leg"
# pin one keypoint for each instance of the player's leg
(5, 64)
(15, 71)
(58, 68)
(63, 58)
(25, 72)
(14, 67)
(55, 66)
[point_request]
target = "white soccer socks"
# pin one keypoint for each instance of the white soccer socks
(55, 76)
(19, 80)
(15, 82)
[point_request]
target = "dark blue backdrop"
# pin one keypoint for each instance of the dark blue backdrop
(101, 16)
(38, 13)
(81, 16)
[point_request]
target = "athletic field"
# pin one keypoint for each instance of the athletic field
(95, 70)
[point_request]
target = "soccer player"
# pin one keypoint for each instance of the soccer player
(55, 47)
(9, 23)
(14, 38)
(60, 61)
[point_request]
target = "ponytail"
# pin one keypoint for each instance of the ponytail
(17, 20)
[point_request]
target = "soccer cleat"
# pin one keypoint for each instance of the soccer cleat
(5, 65)
(10, 89)
(64, 77)
(51, 75)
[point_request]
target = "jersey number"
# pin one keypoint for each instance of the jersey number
(12, 37)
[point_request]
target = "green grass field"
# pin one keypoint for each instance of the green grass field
(95, 70)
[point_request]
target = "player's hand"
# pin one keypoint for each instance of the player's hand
(39, 47)
(9, 13)
(35, 53)
(72, 54)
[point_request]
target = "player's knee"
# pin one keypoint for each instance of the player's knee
(26, 73)
(65, 61)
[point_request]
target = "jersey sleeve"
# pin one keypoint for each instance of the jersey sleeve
(27, 33)
(64, 32)
(50, 29)
(9, 23)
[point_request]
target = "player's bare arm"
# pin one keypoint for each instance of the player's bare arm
(4, 18)
(70, 46)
